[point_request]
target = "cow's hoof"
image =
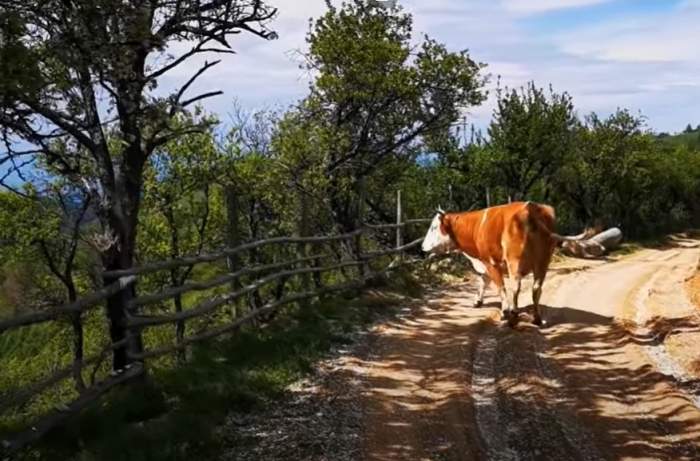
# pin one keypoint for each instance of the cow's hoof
(513, 319)
(537, 320)
(510, 316)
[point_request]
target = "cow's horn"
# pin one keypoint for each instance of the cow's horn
(440, 210)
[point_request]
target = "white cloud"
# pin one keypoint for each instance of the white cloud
(541, 6)
(646, 63)
(671, 38)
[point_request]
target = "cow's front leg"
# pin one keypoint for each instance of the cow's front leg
(505, 302)
(536, 295)
(496, 275)
(483, 283)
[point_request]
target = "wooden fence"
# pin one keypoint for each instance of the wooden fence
(310, 263)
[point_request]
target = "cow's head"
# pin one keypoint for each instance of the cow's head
(438, 239)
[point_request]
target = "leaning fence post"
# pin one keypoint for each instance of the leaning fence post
(303, 230)
(399, 218)
(364, 267)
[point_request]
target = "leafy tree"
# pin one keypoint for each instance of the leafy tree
(77, 73)
(48, 229)
(374, 98)
(182, 213)
(620, 175)
(531, 134)
(465, 170)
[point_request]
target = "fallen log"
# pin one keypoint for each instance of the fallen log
(610, 239)
(595, 246)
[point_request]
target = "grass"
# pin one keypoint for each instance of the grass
(174, 416)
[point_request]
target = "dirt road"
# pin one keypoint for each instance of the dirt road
(609, 378)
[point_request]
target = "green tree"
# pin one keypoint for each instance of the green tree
(621, 175)
(531, 134)
(182, 204)
(79, 73)
(375, 98)
(44, 232)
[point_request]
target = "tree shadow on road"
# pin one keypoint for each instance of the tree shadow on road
(606, 381)
(416, 400)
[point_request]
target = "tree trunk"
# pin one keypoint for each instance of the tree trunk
(233, 238)
(180, 331)
(120, 259)
(176, 279)
(121, 224)
(78, 339)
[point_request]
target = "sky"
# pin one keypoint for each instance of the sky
(637, 54)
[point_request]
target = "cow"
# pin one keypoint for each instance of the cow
(514, 239)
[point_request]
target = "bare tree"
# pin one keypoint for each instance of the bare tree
(77, 88)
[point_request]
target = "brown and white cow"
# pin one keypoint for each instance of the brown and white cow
(514, 240)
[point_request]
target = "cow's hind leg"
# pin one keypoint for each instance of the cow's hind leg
(512, 312)
(515, 283)
(539, 273)
(536, 294)
(539, 276)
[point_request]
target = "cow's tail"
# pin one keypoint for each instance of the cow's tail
(542, 218)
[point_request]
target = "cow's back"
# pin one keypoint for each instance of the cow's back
(520, 231)
(495, 228)
(528, 237)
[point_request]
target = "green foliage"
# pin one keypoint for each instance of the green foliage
(380, 116)
(620, 175)
(689, 139)
(372, 102)
(183, 212)
(531, 135)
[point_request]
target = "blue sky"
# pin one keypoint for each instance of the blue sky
(638, 54)
(643, 55)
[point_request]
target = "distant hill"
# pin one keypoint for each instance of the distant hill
(688, 137)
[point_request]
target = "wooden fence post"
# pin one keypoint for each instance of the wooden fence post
(303, 230)
(364, 268)
(488, 198)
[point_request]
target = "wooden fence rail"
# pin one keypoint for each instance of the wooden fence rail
(89, 301)
(207, 307)
(213, 283)
(190, 261)
(278, 272)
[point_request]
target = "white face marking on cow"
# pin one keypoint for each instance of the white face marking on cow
(435, 240)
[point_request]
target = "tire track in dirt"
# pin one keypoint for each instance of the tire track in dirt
(415, 397)
(485, 396)
(521, 409)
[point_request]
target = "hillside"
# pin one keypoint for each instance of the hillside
(687, 138)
